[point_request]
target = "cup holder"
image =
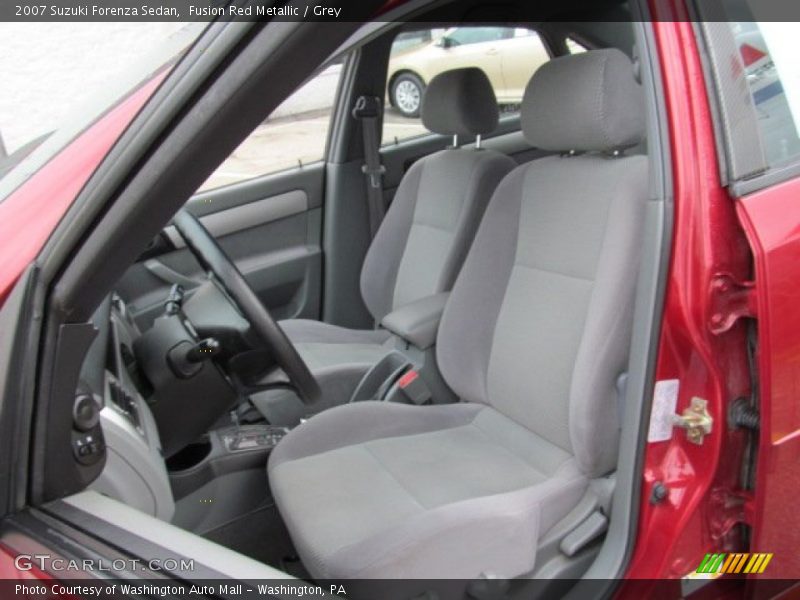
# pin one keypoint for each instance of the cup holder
(189, 457)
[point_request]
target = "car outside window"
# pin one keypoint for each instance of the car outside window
(411, 38)
(294, 134)
(508, 55)
(61, 78)
(476, 35)
(574, 46)
(769, 55)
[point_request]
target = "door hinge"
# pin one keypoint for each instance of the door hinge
(728, 508)
(730, 300)
(695, 420)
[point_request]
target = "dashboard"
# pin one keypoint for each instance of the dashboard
(135, 471)
(160, 389)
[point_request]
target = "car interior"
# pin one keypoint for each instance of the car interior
(275, 383)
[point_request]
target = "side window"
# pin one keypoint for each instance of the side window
(410, 39)
(294, 134)
(508, 55)
(574, 46)
(769, 54)
(476, 35)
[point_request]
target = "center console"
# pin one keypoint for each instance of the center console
(222, 476)
(218, 476)
(409, 373)
(222, 451)
(248, 438)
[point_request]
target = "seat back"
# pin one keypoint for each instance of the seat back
(421, 244)
(538, 323)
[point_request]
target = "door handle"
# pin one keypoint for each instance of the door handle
(492, 51)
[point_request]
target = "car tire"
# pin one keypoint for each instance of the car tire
(406, 94)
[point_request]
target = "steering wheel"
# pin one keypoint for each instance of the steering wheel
(213, 258)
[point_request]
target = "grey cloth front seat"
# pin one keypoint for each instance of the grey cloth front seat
(421, 243)
(533, 338)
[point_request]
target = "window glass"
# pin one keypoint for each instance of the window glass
(58, 79)
(476, 35)
(769, 55)
(574, 46)
(410, 39)
(508, 55)
(294, 134)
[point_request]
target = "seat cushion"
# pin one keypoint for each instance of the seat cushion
(382, 490)
(421, 243)
(551, 277)
(534, 335)
(304, 331)
(337, 357)
(327, 348)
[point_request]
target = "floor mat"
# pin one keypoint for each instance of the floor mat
(259, 534)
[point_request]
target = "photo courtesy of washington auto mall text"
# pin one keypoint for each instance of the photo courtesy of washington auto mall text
(211, 589)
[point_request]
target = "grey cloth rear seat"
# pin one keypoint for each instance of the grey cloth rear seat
(421, 244)
(534, 335)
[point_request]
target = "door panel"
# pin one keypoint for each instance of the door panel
(271, 229)
(237, 218)
(772, 221)
(755, 65)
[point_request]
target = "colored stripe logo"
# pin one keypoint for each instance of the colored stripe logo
(735, 563)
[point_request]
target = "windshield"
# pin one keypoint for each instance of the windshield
(59, 78)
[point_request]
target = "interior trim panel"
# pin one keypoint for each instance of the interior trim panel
(242, 217)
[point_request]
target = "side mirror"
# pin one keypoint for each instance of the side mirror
(445, 42)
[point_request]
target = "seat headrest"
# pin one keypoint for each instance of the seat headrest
(584, 102)
(460, 102)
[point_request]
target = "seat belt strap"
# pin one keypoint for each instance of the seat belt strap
(367, 109)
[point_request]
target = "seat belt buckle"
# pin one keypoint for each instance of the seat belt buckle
(367, 107)
(374, 175)
(413, 387)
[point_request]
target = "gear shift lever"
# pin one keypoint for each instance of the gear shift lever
(237, 423)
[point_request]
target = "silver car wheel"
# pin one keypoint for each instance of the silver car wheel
(407, 97)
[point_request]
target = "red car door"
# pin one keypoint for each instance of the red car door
(768, 206)
(731, 329)
(771, 218)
